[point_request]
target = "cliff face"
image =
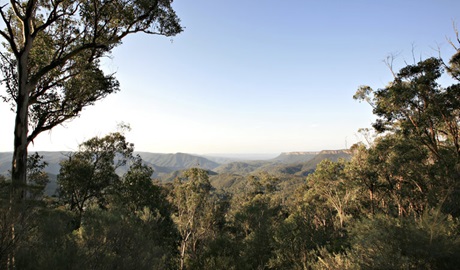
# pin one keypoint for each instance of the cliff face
(335, 152)
(310, 153)
(295, 157)
(298, 153)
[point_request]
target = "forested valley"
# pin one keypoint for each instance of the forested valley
(392, 202)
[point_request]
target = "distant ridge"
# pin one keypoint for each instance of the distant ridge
(168, 166)
(162, 163)
(335, 152)
(299, 153)
(332, 155)
(287, 162)
(166, 163)
(295, 157)
(293, 167)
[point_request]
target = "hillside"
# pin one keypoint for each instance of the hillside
(290, 168)
(52, 158)
(300, 163)
(241, 167)
(178, 161)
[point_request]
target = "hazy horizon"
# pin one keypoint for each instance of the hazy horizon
(235, 156)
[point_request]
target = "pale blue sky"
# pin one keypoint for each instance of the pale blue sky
(256, 76)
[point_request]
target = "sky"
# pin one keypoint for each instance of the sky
(257, 76)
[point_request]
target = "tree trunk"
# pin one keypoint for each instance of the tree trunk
(19, 166)
(371, 196)
(182, 255)
(19, 163)
(21, 127)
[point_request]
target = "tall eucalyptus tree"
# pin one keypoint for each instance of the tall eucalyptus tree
(50, 61)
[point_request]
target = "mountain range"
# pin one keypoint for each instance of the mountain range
(225, 173)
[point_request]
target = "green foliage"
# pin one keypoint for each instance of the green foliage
(221, 252)
(106, 240)
(330, 186)
(256, 220)
(253, 216)
(36, 176)
(88, 176)
(296, 240)
(123, 223)
(135, 190)
(140, 197)
(196, 214)
(424, 150)
(112, 239)
(410, 172)
(51, 243)
(391, 243)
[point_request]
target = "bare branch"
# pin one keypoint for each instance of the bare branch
(389, 63)
(457, 35)
(413, 54)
